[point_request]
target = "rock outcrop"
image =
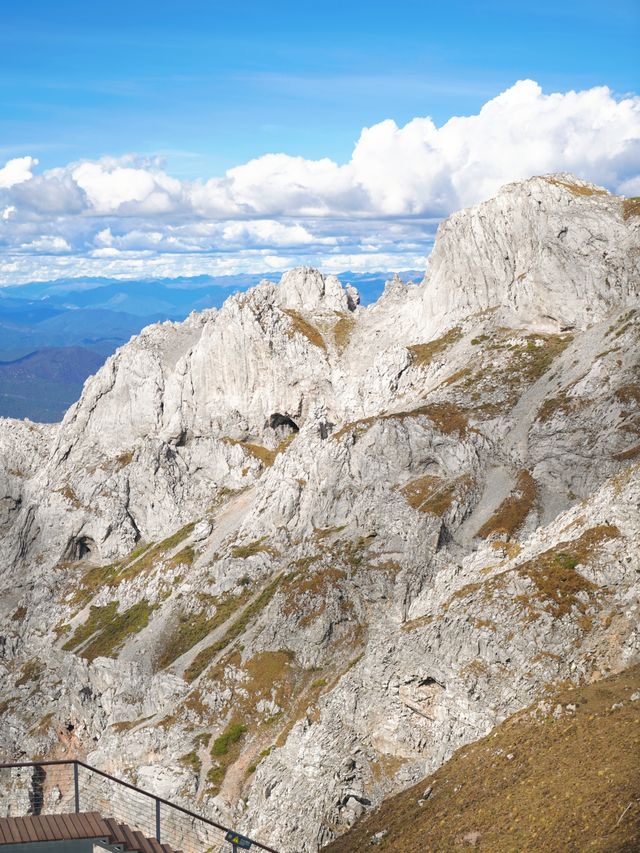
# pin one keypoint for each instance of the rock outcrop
(282, 559)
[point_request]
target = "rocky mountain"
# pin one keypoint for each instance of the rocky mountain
(85, 320)
(282, 559)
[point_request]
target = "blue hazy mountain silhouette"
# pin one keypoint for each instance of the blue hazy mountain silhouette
(54, 334)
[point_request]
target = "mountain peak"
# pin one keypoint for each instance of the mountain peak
(307, 289)
(551, 252)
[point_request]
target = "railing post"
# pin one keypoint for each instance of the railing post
(76, 785)
(157, 820)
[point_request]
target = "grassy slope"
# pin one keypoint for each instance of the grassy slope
(565, 788)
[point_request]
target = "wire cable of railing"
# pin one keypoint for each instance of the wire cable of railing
(54, 787)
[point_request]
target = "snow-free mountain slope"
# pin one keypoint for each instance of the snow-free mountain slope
(284, 558)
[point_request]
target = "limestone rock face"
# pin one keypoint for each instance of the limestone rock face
(553, 251)
(354, 538)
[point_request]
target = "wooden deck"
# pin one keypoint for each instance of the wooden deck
(75, 826)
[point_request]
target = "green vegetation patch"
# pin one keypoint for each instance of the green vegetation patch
(140, 561)
(191, 761)
(194, 627)
(224, 751)
(248, 615)
(253, 548)
(423, 354)
(230, 735)
(106, 631)
(185, 557)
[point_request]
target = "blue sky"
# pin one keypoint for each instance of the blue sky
(166, 98)
(210, 84)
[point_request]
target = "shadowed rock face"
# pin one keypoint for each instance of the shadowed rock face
(283, 558)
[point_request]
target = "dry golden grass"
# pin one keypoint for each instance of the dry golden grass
(342, 330)
(562, 403)
(307, 594)
(576, 189)
(629, 394)
(124, 459)
(67, 492)
(631, 207)
(625, 455)
(31, 671)
(303, 327)
(263, 454)
(463, 373)
(558, 587)
(571, 783)
(512, 512)
(127, 725)
(445, 416)
(434, 494)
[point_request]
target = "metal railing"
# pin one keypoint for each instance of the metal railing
(58, 787)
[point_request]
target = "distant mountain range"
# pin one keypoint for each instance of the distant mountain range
(54, 334)
(43, 384)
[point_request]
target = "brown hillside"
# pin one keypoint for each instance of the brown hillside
(560, 776)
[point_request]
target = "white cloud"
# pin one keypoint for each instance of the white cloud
(384, 202)
(109, 186)
(270, 232)
(17, 171)
(47, 245)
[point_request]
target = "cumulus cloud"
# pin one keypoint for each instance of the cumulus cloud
(383, 204)
(46, 245)
(17, 171)
(270, 232)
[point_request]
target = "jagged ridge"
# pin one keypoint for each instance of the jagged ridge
(304, 550)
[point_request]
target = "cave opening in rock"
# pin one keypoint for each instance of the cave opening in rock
(81, 548)
(278, 420)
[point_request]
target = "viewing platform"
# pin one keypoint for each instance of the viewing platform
(71, 807)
